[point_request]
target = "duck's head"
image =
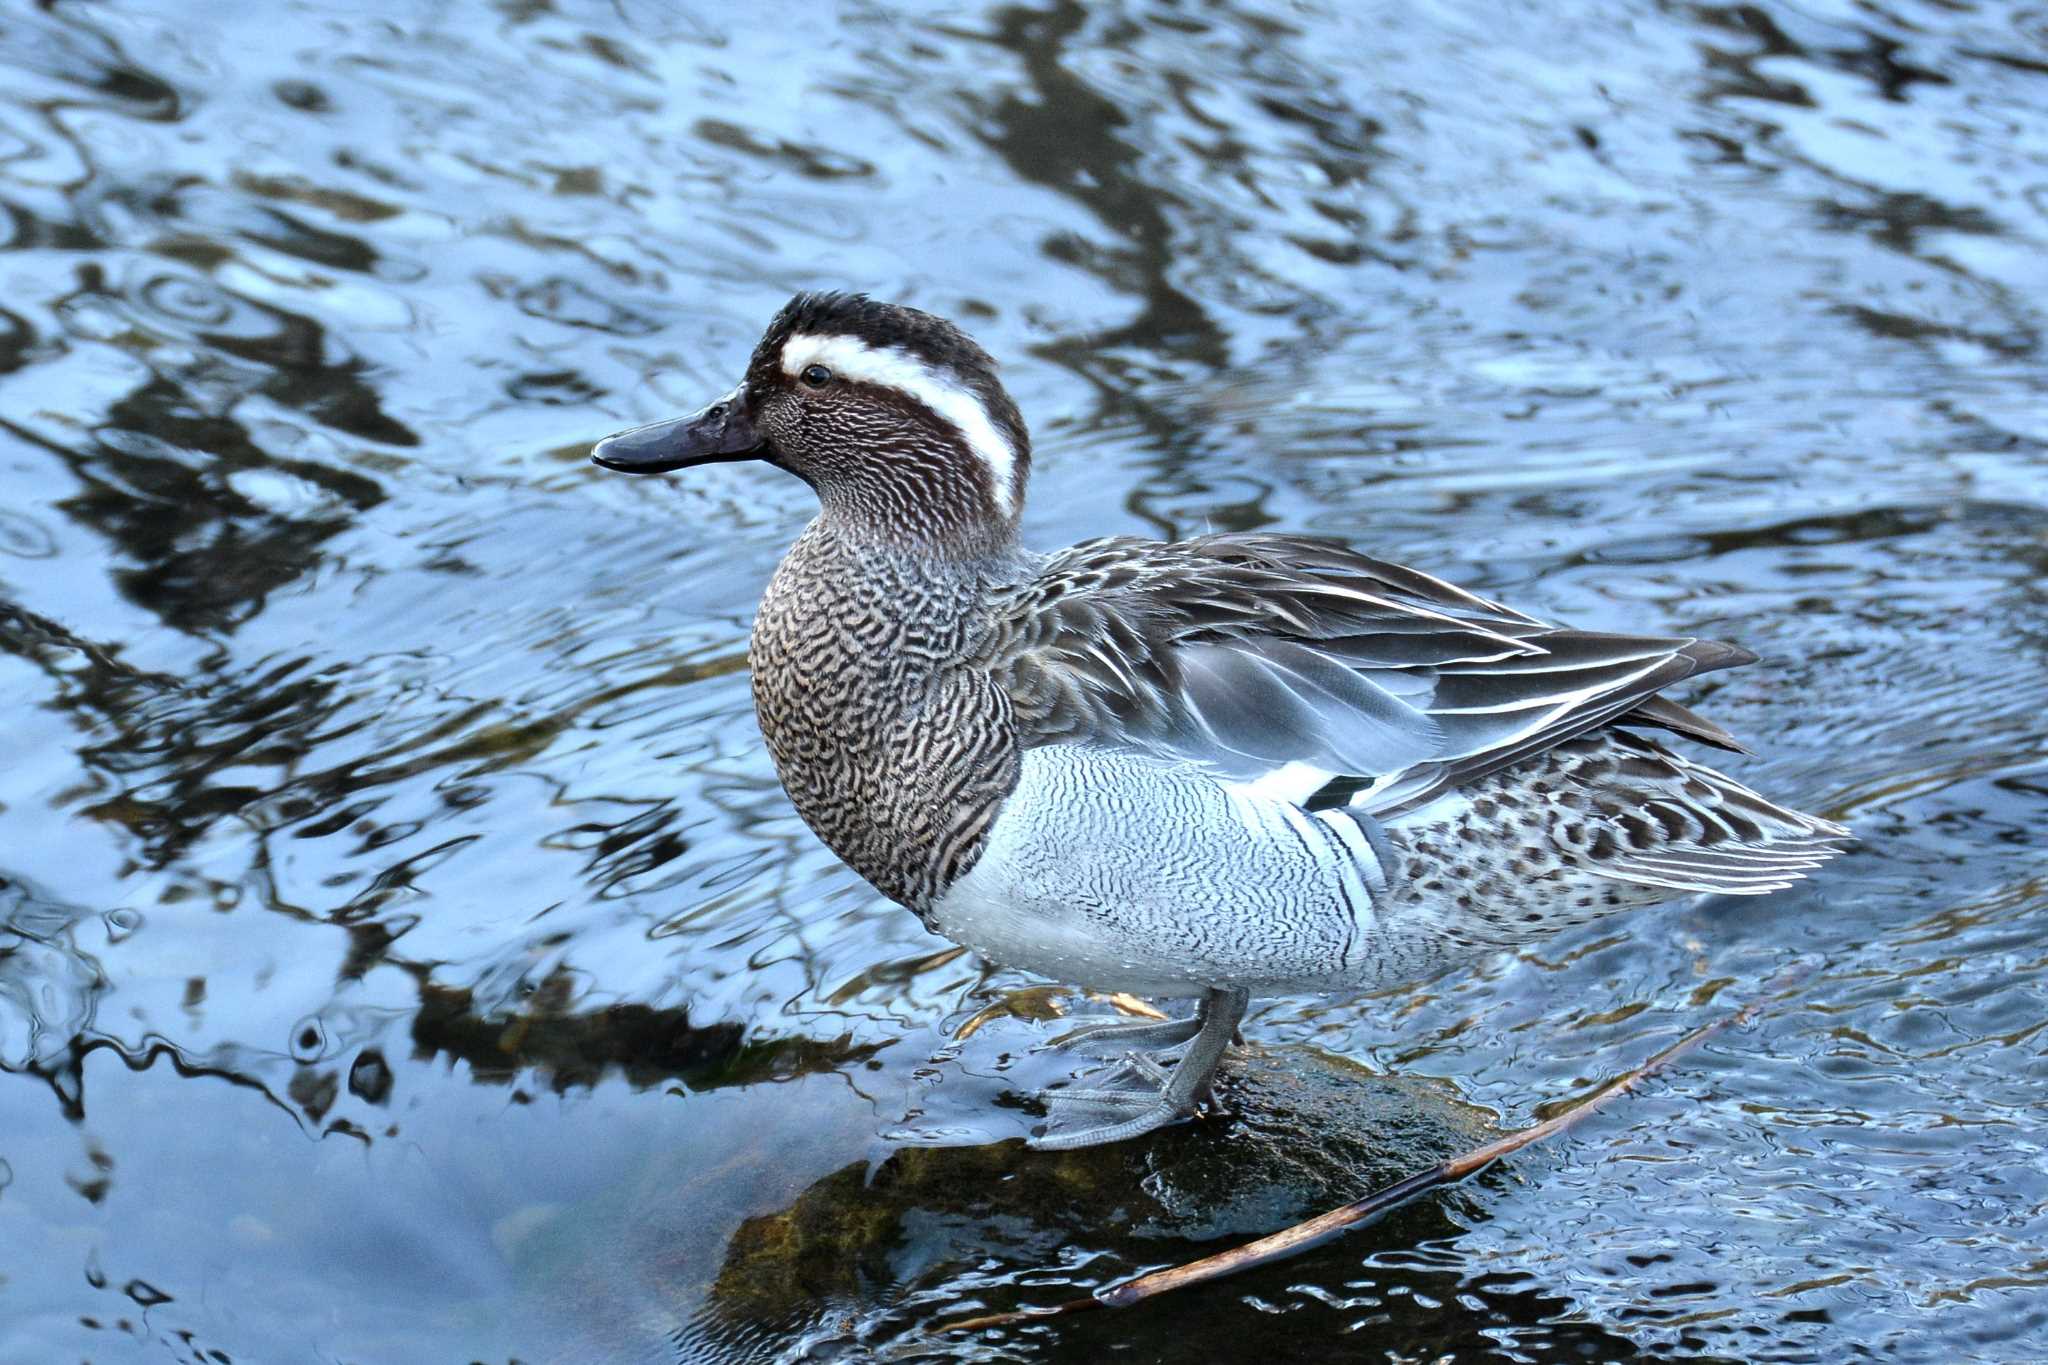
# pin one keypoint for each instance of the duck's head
(894, 416)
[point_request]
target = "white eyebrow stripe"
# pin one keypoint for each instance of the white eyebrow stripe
(864, 364)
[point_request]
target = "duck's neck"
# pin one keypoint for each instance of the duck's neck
(928, 494)
(893, 747)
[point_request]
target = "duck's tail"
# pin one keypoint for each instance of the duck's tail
(1604, 821)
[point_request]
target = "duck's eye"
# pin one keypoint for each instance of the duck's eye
(817, 376)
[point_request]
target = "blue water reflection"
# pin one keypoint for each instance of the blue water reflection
(405, 949)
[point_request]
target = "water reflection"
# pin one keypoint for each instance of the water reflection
(395, 902)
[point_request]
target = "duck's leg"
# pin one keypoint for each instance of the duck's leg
(1143, 1107)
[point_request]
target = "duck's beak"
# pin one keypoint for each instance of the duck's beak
(722, 431)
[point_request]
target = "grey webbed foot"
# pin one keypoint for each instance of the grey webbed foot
(1139, 1094)
(1127, 1099)
(1117, 1040)
(1058, 1137)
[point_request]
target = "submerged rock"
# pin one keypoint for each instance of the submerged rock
(1307, 1130)
(1303, 1131)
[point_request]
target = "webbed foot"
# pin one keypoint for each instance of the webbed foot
(1139, 1094)
(1115, 1040)
(1132, 1097)
(1066, 1129)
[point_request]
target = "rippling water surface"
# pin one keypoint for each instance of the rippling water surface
(406, 952)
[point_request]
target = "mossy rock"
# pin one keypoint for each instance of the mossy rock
(1305, 1131)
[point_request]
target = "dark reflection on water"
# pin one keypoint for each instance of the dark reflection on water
(405, 951)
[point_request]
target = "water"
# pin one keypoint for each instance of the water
(405, 950)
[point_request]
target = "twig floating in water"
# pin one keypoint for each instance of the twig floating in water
(1302, 1236)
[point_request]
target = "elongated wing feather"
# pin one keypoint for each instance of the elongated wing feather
(1252, 653)
(1668, 822)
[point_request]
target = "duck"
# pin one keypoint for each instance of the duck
(1211, 769)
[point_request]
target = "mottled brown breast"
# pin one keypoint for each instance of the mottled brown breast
(895, 748)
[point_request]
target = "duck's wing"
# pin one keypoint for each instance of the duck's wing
(1309, 668)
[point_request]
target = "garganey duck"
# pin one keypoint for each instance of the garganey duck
(1223, 767)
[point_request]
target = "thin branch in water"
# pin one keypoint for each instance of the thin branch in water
(1303, 1236)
